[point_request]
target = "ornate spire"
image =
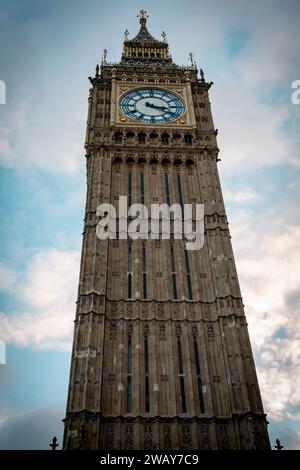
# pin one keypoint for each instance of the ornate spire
(144, 45)
(143, 35)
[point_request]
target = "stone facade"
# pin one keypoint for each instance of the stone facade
(161, 356)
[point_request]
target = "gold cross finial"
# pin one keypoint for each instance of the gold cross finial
(143, 17)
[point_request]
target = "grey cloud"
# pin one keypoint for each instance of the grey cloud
(32, 431)
(292, 298)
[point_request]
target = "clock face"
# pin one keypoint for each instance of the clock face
(151, 105)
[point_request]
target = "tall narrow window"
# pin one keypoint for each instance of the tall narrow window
(129, 357)
(145, 285)
(167, 188)
(129, 281)
(188, 275)
(147, 403)
(129, 258)
(142, 193)
(129, 394)
(144, 271)
(182, 393)
(187, 261)
(198, 378)
(180, 192)
(189, 286)
(173, 267)
(129, 272)
(129, 189)
(144, 258)
(129, 375)
(172, 259)
(181, 378)
(142, 189)
(180, 364)
(174, 286)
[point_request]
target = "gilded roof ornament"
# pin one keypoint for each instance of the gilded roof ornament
(143, 17)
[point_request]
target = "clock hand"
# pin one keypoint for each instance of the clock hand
(151, 105)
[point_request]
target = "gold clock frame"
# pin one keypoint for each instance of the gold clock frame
(183, 91)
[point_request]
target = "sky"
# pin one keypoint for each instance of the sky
(250, 50)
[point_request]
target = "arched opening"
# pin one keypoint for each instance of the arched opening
(176, 137)
(129, 160)
(165, 138)
(118, 137)
(153, 137)
(130, 137)
(141, 161)
(188, 139)
(142, 138)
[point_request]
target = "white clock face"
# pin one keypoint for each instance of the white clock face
(152, 105)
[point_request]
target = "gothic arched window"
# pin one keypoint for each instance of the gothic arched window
(118, 137)
(165, 138)
(188, 139)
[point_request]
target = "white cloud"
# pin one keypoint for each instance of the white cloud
(251, 98)
(240, 196)
(29, 140)
(266, 248)
(47, 292)
(250, 134)
(8, 278)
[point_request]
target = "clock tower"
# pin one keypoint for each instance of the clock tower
(161, 353)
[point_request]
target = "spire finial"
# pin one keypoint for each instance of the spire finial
(104, 57)
(278, 445)
(191, 56)
(54, 444)
(126, 34)
(143, 17)
(164, 36)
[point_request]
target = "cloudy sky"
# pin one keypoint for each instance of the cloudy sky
(47, 50)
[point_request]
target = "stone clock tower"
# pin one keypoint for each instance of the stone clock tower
(161, 355)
